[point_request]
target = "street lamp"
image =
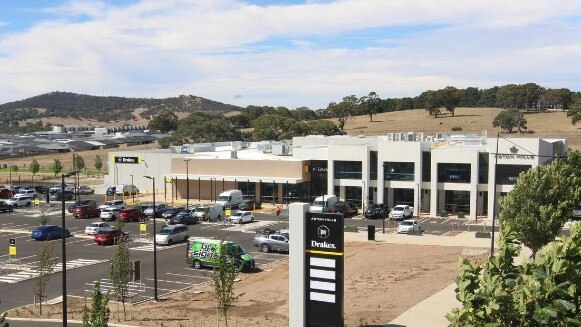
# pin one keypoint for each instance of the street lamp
(154, 243)
(187, 183)
(131, 179)
(419, 200)
(64, 248)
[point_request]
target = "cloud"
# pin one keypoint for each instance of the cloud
(291, 55)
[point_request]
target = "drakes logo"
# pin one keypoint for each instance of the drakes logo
(323, 245)
(323, 231)
(514, 149)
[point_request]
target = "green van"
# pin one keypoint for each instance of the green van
(201, 253)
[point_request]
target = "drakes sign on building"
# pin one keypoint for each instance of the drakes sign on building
(324, 270)
(127, 160)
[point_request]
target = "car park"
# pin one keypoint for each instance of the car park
(85, 190)
(131, 214)
(88, 211)
(172, 234)
(203, 253)
(84, 202)
(271, 242)
(159, 209)
(213, 212)
(240, 217)
(109, 237)
(346, 208)
(24, 201)
(5, 193)
(31, 193)
(171, 212)
(110, 213)
(376, 211)
(58, 196)
(401, 212)
(96, 227)
(249, 205)
(4, 207)
(113, 204)
(185, 219)
(408, 225)
(49, 232)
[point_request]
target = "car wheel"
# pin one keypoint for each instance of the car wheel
(240, 267)
(14, 206)
(169, 242)
(252, 219)
(197, 264)
(28, 204)
(265, 248)
(11, 209)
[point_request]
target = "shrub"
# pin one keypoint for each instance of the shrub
(456, 128)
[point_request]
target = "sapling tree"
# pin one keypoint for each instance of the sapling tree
(121, 272)
(224, 275)
(46, 265)
(98, 316)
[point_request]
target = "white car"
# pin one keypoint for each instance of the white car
(23, 201)
(172, 234)
(240, 217)
(85, 190)
(110, 213)
(113, 204)
(401, 212)
(407, 225)
(23, 193)
(95, 228)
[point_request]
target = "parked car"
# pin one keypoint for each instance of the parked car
(108, 237)
(142, 206)
(41, 189)
(249, 205)
(89, 211)
(110, 191)
(239, 217)
(171, 212)
(31, 193)
(577, 212)
(159, 209)
(126, 189)
(84, 202)
(49, 232)
(85, 190)
(209, 213)
(271, 242)
(15, 189)
(346, 208)
(376, 210)
(401, 212)
(131, 214)
(185, 219)
(5, 193)
(407, 225)
(4, 207)
(95, 228)
(24, 201)
(110, 213)
(113, 204)
(172, 234)
(58, 196)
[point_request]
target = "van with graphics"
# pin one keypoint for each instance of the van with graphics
(203, 253)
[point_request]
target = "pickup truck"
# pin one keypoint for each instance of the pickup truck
(86, 212)
(271, 242)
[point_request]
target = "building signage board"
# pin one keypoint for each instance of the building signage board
(127, 160)
(324, 269)
(12, 250)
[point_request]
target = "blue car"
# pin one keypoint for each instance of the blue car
(49, 232)
(110, 191)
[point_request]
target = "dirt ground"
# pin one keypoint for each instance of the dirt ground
(381, 282)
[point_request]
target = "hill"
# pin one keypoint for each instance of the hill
(67, 105)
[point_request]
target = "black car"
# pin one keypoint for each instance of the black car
(347, 208)
(5, 207)
(249, 205)
(58, 196)
(186, 219)
(110, 191)
(172, 212)
(40, 189)
(376, 211)
(85, 202)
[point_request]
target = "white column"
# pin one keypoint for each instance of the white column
(330, 177)
(474, 185)
(380, 181)
(491, 184)
(365, 176)
(434, 189)
(296, 280)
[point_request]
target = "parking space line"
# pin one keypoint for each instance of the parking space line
(445, 221)
(170, 281)
(159, 288)
(190, 276)
(424, 220)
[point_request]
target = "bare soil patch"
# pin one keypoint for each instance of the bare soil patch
(381, 282)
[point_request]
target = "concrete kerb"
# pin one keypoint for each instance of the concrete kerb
(60, 320)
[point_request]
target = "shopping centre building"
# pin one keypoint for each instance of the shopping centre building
(434, 174)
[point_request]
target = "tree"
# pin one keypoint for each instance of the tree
(431, 102)
(303, 113)
(34, 167)
(98, 163)
(544, 292)
(3, 322)
(541, 202)
(121, 272)
(509, 120)
(575, 112)
(14, 168)
(99, 313)
(46, 264)
(79, 162)
(43, 218)
(164, 122)
(224, 274)
(343, 110)
(56, 167)
(450, 97)
(270, 127)
(371, 104)
(200, 127)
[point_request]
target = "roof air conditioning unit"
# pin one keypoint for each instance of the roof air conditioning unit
(233, 154)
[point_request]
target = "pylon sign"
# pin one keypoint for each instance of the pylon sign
(12, 250)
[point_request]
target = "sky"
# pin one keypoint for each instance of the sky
(284, 53)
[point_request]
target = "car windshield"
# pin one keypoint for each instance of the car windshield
(407, 223)
(238, 248)
(14, 199)
(319, 203)
(237, 214)
(398, 209)
(94, 225)
(375, 206)
(202, 209)
(224, 198)
(165, 231)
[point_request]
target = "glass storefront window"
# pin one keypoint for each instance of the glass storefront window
(295, 192)
(457, 201)
(353, 194)
(347, 170)
(398, 171)
(268, 192)
(453, 173)
(403, 196)
(426, 166)
(318, 183)
(373, 165)
(507, 174)
(248, 189)
(483, 167)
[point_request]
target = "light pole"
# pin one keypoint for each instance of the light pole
(419, 200)
(154, 243)
(131, 179)
(494, 197)
(64, 247)
(187, 183)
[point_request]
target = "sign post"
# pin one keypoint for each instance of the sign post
(142, 227)
(12, 250)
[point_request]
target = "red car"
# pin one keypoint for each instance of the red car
(5, 193)
(107, 237)
(131, 214)
(86, 212)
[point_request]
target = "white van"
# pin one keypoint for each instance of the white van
(230, 198)
(212, 212)
(323, 203)
(126, 189)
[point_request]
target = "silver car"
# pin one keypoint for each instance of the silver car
(172, 234)
(271, 242)
(110, 213)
